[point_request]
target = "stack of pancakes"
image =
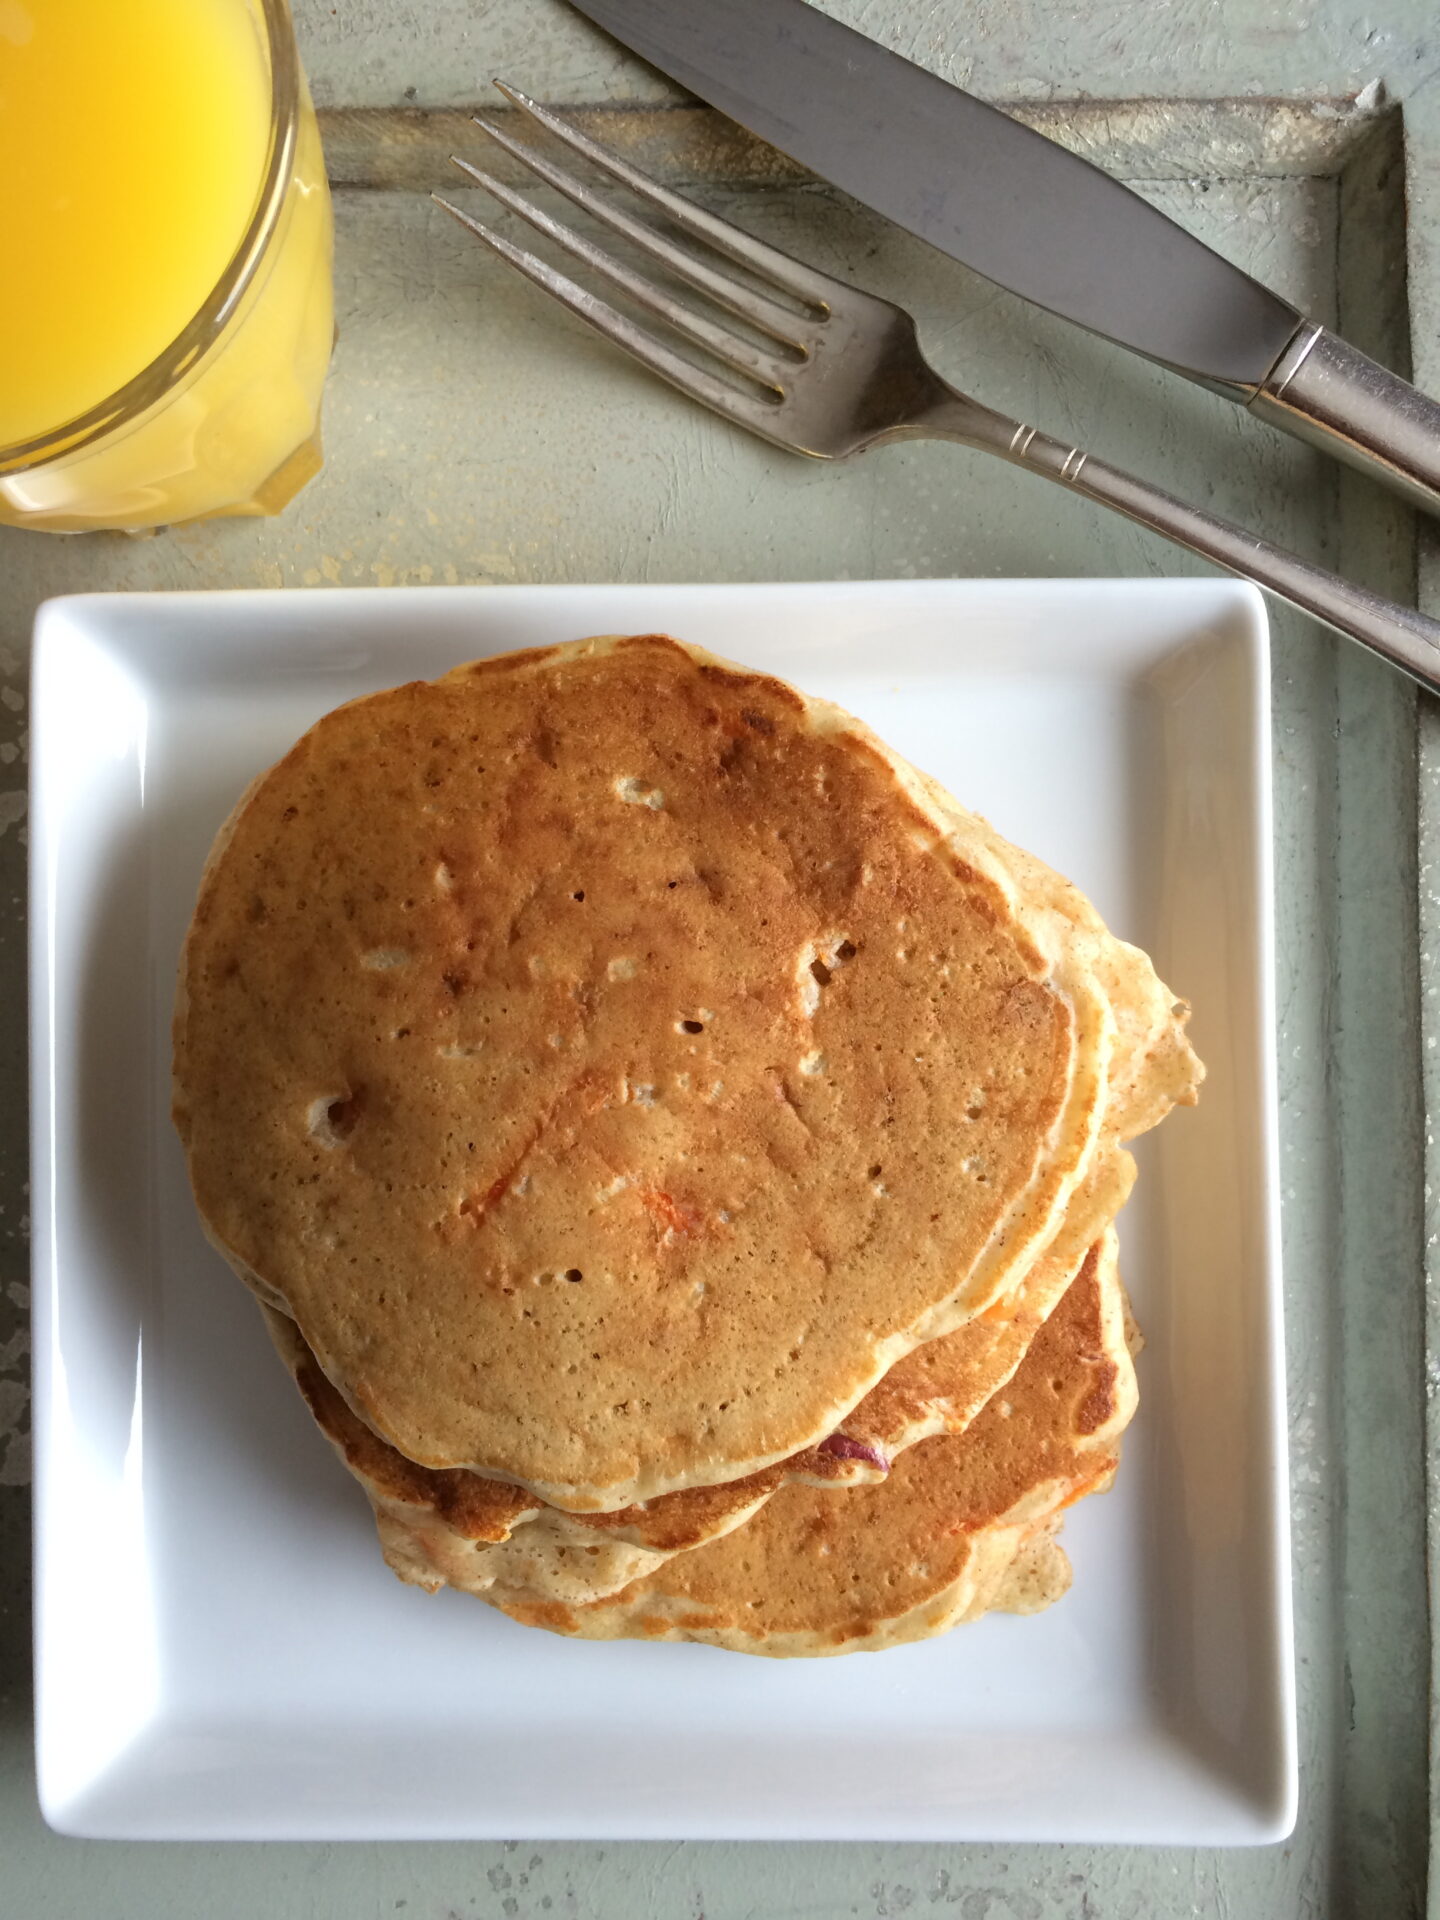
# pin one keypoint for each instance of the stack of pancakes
(676, 1148)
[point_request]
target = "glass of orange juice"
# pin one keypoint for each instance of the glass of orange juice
(167, 315)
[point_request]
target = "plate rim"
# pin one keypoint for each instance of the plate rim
(51, 626)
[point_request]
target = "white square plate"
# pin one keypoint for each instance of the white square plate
(221, 1652)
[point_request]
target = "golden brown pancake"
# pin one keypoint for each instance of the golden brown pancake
(614, 1066)
(459, 1529)
(1153, 1066)
(943, 1385)
(959, 1525)
(1039, 1574)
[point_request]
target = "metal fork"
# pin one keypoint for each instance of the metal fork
(835, 370)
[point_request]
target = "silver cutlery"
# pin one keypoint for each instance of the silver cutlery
(1033, 217)
(822, 368)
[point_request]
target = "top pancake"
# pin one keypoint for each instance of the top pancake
(614, 1067)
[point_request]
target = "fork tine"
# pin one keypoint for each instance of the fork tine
(748, 302)
(715, 339)
(806, 283)
(744, 409)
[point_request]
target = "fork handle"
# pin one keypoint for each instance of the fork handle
(1406, 638)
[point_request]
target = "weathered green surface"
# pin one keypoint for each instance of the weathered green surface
(373, 52)
(473, 434)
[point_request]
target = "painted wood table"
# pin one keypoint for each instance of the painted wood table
(475, 435)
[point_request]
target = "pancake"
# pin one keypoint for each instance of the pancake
(460, 1529)
(960, 1525)
(1153, 1065)
(614, 1067)
(456, 1528)
(1037, 1577)
(942, 1386)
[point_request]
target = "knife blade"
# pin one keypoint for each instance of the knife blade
(1031, 216)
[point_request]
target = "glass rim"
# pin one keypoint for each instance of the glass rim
(205, 327)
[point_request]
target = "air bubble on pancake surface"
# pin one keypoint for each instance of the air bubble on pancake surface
(635, 793)
(817, 965)
(382, 959)
(331, 1119)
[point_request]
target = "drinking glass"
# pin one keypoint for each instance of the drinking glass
(226, 420)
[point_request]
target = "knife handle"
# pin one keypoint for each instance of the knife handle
(1406, 638)
(1329, 393)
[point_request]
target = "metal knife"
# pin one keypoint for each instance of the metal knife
(1033, 217)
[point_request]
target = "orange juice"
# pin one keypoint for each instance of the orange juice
(138, 141)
